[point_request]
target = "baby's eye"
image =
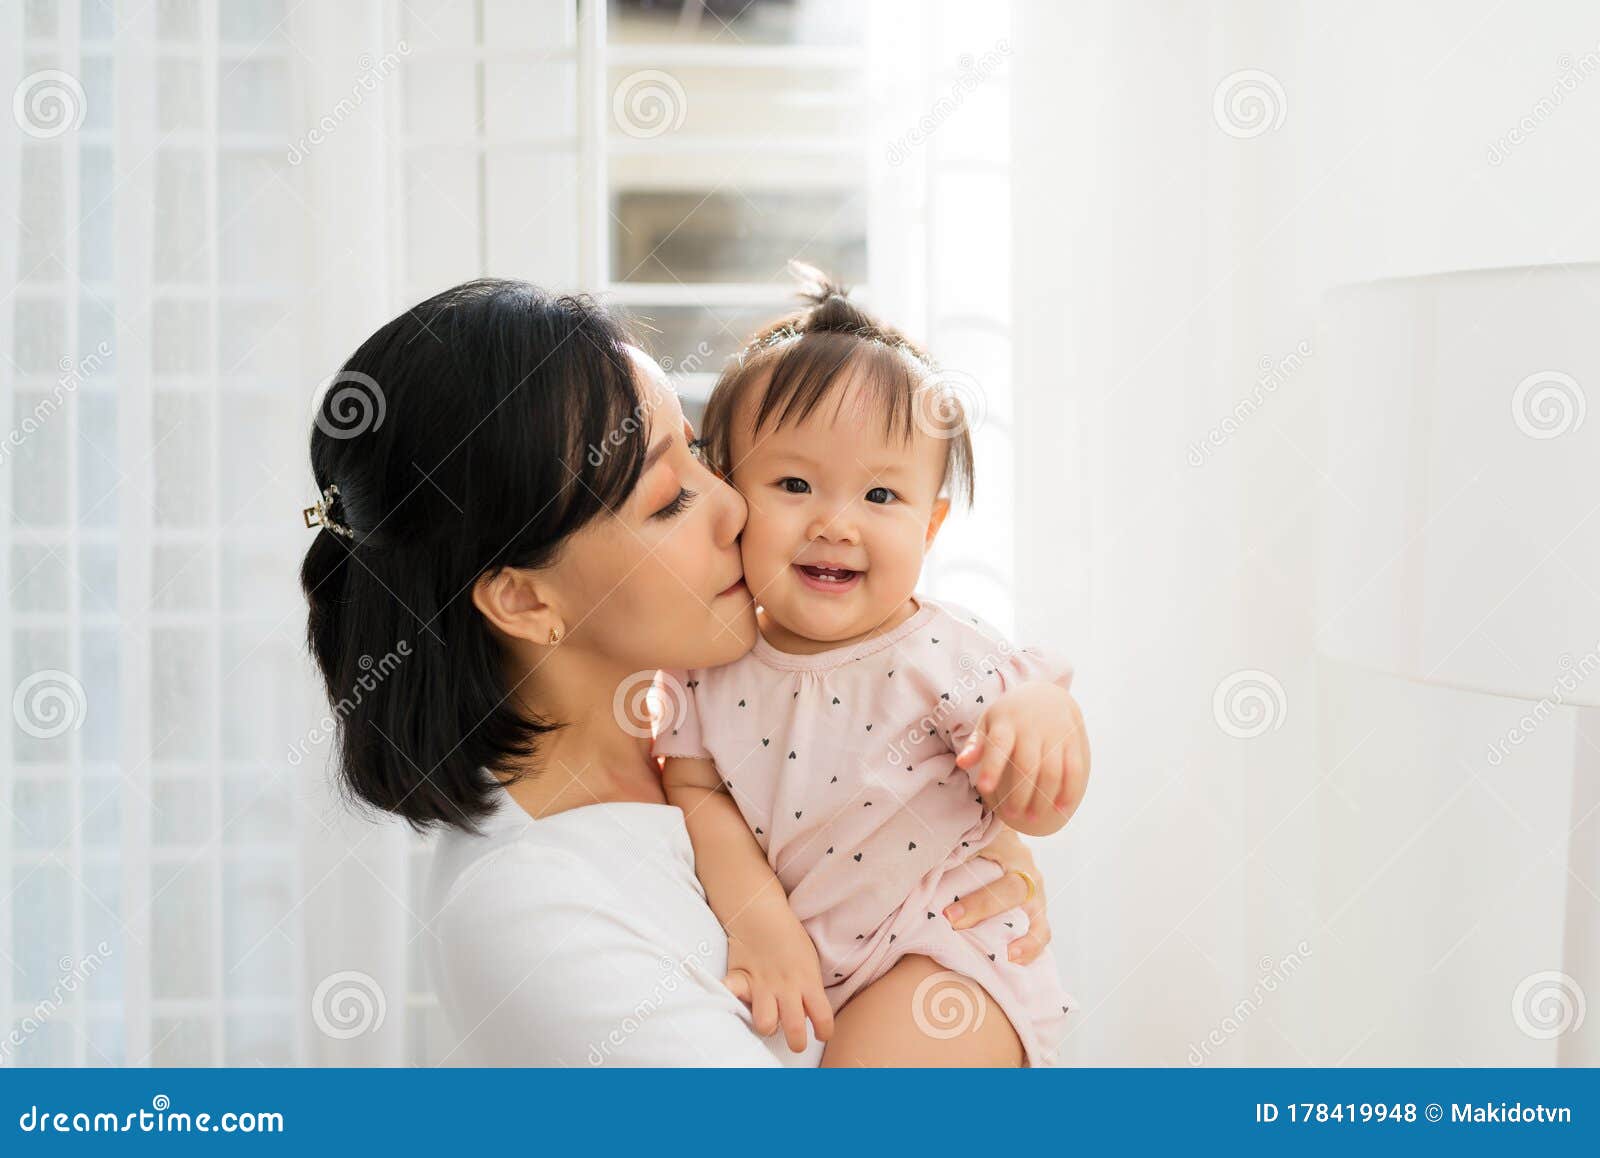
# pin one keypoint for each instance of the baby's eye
(881, 495)
(795, 486)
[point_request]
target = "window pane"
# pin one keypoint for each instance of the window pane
(735, 22)
(667, 236)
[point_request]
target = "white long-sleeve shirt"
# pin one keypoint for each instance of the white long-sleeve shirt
(585, 939)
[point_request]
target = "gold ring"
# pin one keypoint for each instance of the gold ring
(1027, 880)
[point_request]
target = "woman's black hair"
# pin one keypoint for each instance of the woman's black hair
(476, 431)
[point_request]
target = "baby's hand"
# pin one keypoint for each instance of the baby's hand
(773, 968)
(1032, 745)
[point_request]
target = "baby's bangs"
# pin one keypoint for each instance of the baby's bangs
(814, 368)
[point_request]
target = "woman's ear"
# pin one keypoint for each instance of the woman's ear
(514, 602)
(941, 508)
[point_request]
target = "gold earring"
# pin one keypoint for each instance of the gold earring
(554, 635)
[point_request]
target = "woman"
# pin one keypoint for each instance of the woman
(519, 503)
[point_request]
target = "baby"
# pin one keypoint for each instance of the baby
(866, 739)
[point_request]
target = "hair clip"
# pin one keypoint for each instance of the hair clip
(320, 514)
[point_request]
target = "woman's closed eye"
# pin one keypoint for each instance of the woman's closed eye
(678, 505)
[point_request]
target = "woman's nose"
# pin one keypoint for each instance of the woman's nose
(732, 511)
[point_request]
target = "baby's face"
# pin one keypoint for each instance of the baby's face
(841, 515)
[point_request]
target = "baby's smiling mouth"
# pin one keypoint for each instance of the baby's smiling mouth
(828, 578)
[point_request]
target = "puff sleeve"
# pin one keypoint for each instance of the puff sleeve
(989, 676)
(676, 715)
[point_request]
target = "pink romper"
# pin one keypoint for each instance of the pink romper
(843, 764)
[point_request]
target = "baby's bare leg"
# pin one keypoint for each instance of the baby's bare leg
(921, 1014)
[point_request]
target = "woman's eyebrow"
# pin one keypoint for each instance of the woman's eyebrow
(656, 451)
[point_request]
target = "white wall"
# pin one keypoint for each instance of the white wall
(1159, 260)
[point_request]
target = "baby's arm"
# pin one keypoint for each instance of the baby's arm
(1031, 751)
(772, 964)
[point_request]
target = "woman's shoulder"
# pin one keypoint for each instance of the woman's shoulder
(523, 864)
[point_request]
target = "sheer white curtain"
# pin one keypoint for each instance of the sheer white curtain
(206, 205)
(1294, 851)
(178, 884)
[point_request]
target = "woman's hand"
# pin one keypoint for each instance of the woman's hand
(1007, 892)
(1030, 755)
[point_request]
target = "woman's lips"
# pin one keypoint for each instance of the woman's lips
(829, 580)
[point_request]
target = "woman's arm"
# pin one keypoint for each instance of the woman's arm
(772, 963)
